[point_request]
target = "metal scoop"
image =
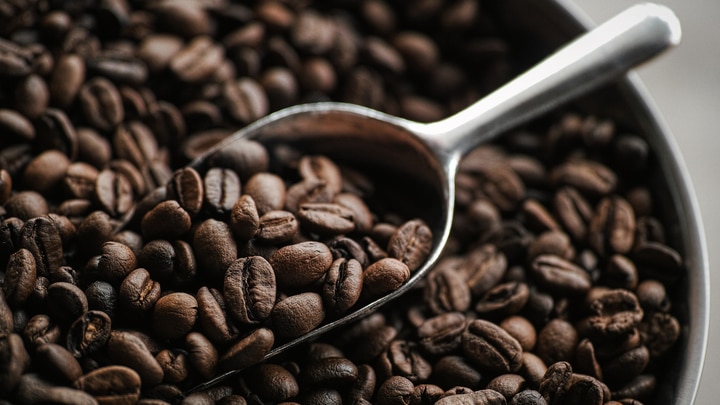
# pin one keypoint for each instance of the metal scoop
(430, 153)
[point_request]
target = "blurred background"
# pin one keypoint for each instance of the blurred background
(685, 84)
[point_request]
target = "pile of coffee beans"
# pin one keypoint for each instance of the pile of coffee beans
(559, 284)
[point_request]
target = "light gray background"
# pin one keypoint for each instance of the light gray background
(685, 85)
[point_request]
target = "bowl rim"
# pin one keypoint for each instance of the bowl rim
(691, 229)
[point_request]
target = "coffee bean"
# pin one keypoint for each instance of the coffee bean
(197, 61)
(300, 264)
(275, 383)
(453, 371)
(116, 262)
(248, 351)
(186, 187)
(330, 372)
(342, 285)
(66, 302)
(135, 143)
(174, 315)
(442, 334)
(111, 384)
(275, 227)
(89, 333)
(491, 347)
(40, 329)
(202, 354)
(16, 126)
(250, 289)
(246, 100)
(297, 315)
(113, 192)
(551, 347)
(20, 277)
(612, 229)
(167, 220)
(175, 366)
(446, 291)
(138, 293)
(483, 268)
(267, 190)
(15, 362)
(33, 390)
(58, 363)
(222, 190)
(67, 79)
(394, 390)
(244, 218)
(560, 275)
(214, 246)
(384, 276)
(101, 103)
(326, 219)
(128, 350)
(212, 318)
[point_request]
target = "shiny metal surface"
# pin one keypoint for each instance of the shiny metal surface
(432, 151)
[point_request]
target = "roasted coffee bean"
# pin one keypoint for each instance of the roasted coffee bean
(89, 333)
(446, 290)
(128, 350)
(66, 302)
(168, 220)
(560, 275)
(300, 264)
(403, 358)
(325, 219)
(15, 361)
(116, 262)
(215, 248)
(411, 243)
(612, 229)
(329, 372)
(615, 312)
(342, 285)
(246, 100)
(174, 364)
(528, 397)
(174, 315)
(33, 390)
(276, 227)
(395, 390)
(484, 397)
(522, 330)
(57, 363)
(197, 61)
(384, 276)
(101, 103)
(503, 300)
(20, 277)
(40, 329)
(41, 237)
(267, 190)
(186, 187)
(222, 190)
(67, 79)
(113, 192)
(483, 268)
(250, 289)
(491, 347)
(275, 383)
(297, 315)
(557, 342)
(507, 384)
(202, 354)
(344, 247)
(16, 126)
(138, 293)
(212, 318)
(451, 371)
(244, 218)
(248, 351)
(111, 384)
(442, 334)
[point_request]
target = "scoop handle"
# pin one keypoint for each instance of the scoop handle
(603, 53)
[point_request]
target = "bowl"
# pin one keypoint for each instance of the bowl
(549, 23)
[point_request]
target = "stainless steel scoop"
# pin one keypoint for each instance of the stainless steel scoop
(430, 152)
